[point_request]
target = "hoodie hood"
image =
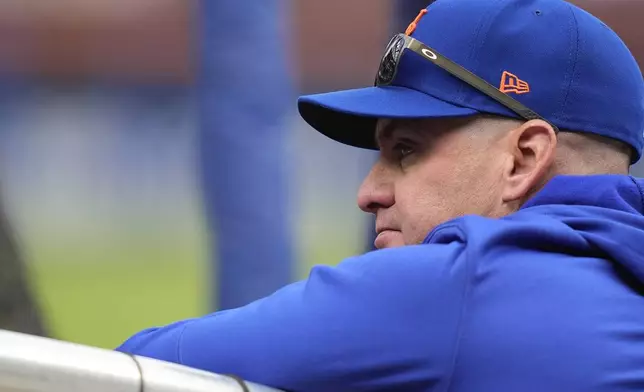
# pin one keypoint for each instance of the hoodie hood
(611, 219)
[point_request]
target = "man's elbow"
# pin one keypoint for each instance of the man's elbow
(158, 343)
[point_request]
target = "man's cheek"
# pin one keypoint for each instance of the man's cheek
(411, 235)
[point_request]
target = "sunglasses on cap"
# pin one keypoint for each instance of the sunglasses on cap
(401, 42)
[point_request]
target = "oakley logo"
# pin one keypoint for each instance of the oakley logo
(512, 84)
(429, 54)
(412, 26)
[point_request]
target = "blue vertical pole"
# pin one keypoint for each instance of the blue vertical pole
(246, 95)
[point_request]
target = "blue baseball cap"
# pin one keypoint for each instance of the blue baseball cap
(549, 55)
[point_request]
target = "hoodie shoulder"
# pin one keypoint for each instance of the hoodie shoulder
(557, 300)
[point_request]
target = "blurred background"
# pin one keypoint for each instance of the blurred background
(152, 163)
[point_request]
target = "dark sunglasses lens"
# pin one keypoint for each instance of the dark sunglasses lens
(389, 62)
(387, 70)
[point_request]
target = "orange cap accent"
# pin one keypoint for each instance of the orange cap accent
(412, 26)
(512, 84)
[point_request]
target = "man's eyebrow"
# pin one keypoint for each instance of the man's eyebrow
(385, 131)
(395, 127)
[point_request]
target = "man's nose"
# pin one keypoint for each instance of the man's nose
(376, 191)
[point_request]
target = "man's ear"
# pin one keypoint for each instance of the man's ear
(532, 148)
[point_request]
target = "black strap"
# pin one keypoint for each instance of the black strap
(475, 81)
(240, 381)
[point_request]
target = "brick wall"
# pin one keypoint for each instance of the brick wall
(111, 38)
(335, 43)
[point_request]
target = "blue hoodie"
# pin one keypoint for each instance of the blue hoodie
(547, 299)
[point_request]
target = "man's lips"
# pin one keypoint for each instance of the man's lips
(385, 237)
(380, 229)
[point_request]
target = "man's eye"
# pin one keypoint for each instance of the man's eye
(403, 150)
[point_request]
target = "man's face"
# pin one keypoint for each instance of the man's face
(431, 171)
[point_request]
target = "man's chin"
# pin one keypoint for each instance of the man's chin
(389, 239)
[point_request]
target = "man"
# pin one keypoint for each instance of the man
(511, 235)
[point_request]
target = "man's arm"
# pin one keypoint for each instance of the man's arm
(387, 319)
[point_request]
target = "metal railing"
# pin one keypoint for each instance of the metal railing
(36, 364)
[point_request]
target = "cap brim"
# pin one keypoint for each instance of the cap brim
(350, 116)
